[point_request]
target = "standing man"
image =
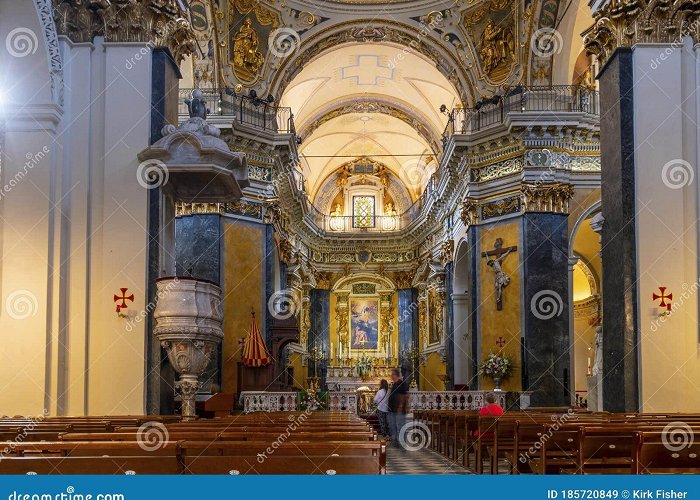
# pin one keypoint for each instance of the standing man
(398, 404)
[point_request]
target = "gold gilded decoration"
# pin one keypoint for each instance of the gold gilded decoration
(364, 288)
(247, 59)
(469, 213)
(550, 197)
(624, 23)
(446, 252)
(496, 46)
(242, 34)
(501, 207)
(492, 26)
(404, 279)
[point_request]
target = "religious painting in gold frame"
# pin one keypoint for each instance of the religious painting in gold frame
(364, 324)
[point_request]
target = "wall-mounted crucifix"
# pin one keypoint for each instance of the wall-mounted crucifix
(495, 259)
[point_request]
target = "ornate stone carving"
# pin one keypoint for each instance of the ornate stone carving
(403, 279)
(549, 197)
(446, 251)
(159, 23)
(496, 170)
(502, 207)
(624, 23)
(470, 213)
(188, 323)
(247, 59)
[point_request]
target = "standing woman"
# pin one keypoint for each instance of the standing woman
(382, 400)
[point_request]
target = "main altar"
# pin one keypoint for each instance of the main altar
(346, 378)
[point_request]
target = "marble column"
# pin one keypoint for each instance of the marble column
(545, 308)
(650, 154)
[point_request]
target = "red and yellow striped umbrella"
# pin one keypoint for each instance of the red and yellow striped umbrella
(255, 352)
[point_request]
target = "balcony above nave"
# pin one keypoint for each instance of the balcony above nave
(491, 154)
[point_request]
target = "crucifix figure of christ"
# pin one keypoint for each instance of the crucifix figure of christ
(495, 259)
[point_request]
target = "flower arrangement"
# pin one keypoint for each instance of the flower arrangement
(313, 400)
(363, 366)
(496, 367)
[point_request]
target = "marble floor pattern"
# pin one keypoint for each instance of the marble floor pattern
(423, 461)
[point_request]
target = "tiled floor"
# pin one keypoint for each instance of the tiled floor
(424, 461)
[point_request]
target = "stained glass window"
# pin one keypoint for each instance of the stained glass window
(363, 211)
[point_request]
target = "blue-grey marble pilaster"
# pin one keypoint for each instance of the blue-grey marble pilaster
(268, 252)
(198, 247)
(319, 335)
(164, 102)
(474, 260)
(545, 308)
(449, 279)
(408, 331)
(620, 314)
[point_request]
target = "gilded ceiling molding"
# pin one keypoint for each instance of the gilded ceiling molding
(331, 186)
(624, 23)
(373, 105)
(157, 22)
(368, 31)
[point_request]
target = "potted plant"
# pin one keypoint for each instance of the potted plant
(496, 367)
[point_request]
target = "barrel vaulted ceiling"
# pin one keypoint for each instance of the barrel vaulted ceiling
(369, 100)
(368, 77)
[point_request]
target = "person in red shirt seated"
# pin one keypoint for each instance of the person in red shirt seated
(492, 409)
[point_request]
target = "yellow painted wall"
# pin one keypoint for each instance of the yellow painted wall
(243, 289)
(504, 323)
(584, 338)
(300, 371)
(430, 373)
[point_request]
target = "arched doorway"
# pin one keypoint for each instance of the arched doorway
(585, 299)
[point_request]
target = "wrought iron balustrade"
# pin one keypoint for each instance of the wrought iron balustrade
(254, 112)
(537, 99)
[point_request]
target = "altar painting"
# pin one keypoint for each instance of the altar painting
(364, 324)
